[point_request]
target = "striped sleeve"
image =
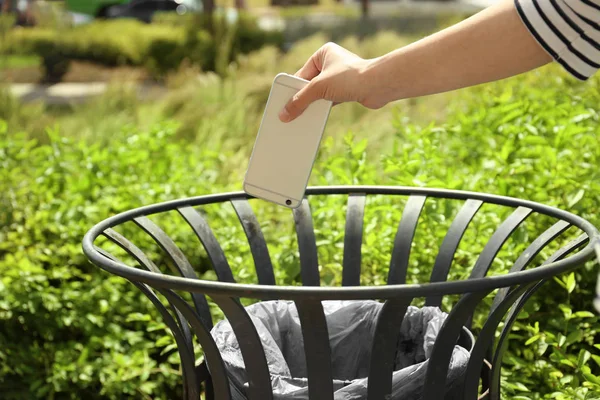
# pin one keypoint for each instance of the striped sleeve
(569, 30)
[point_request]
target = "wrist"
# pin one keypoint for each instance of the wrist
(375, 82)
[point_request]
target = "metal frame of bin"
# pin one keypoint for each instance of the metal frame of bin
(515, 287)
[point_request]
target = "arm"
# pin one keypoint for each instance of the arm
(491, 45)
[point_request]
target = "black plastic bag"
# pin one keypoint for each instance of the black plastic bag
(351, 327)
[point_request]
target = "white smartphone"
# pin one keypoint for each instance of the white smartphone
(284, 153)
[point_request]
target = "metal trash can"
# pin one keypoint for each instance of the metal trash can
(245, 356)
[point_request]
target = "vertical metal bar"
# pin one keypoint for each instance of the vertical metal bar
(530, 253)
(257, 370)
(214, 361)
(131, 249)
(444, 259)
(145, 262)
(485, 341)
(191, 386)
(209, 241)
(514, 312)
(186, 354)
(437, 370)
(493, 246)
(316, 349)
(491, 249)
(520, 264)
(307, 245)
(256, 240)
(181, 263)
(384, 348)
(404, 238)
(353, 239)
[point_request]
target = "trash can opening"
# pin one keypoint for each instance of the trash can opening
(351, 327)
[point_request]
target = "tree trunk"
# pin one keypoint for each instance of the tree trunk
(365, 8)
(208, 10)
(7, 6)
(240, 4)
(209, 7)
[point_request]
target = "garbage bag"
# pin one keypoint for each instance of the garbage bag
(351, 327)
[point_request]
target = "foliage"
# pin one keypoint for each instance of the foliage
(70, 330)
(161, 47)
(7, 21)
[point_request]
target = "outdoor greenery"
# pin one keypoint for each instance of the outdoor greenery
(160, 47)
(71, 331)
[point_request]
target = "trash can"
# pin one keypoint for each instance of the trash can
(349, 342)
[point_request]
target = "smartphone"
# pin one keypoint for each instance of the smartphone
(284, 153)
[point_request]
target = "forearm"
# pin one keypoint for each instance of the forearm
(492, 45)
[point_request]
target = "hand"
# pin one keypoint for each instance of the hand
(335, 74)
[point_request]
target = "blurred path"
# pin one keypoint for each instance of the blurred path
(66, 93)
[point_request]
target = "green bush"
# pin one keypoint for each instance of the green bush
(105, 42)
(161, 47)
(250, 37)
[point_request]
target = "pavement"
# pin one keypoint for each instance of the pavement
(69, 93)
(58, 93)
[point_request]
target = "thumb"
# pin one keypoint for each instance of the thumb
(300, 102)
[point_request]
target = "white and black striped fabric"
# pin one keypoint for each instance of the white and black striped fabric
(569, 30)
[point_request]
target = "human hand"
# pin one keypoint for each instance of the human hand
(335, 74)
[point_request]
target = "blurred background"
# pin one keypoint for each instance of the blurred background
(108, 105)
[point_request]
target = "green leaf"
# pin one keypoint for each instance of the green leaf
(574, 336)
(584, 314)
(533, 339)
(570, 282)
(520, 386)
(576, 197)
(568, 363)
(164, 341)
(592, 378)
(583, 358)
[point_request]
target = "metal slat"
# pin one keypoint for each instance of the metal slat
(145, 262)
(131, 249)
(191, 386)
(511, 318)
(316, 349)
(384, 348)
(437, 369)
(493, 246)
(182, 264)
(485, 340)
(220, 382)
(444, 259)
(257, 370)
(209, 241)
(404, 238)
(256, 240)
(530, 253)
(307, 245)
(353, 239)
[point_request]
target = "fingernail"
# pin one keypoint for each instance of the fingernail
(284, 115)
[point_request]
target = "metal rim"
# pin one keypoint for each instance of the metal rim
(215, 288)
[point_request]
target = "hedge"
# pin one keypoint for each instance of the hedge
(160, 46)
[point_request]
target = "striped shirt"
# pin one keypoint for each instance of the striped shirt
(569, 30)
